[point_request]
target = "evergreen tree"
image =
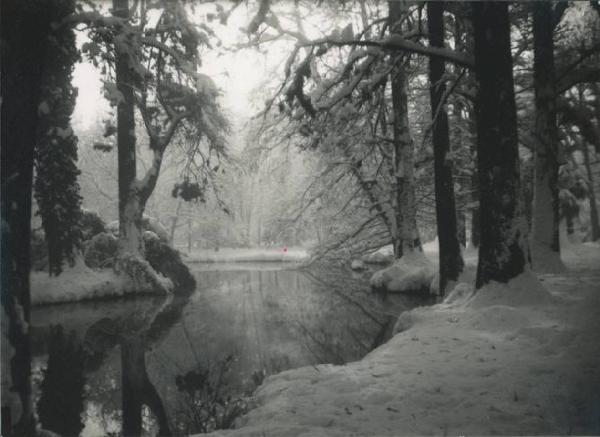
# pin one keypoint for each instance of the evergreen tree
(56, 187)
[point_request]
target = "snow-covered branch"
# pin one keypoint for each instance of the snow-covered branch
(397, 42)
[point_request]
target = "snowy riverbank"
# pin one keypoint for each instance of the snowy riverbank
(516, 359)
(79, 283)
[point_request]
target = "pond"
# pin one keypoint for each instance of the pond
(196, 358)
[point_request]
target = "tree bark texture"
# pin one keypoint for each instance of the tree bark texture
(130, 211)
(406, 237)
(502, 253)
(451, 262)
(546, 216)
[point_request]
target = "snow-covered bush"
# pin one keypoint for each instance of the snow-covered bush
(91, 224)
(412, 273)
(100, 251)
(357, 265)
(142, 275)
(382, 256)
(148, 224)
(167, 261)
(154, 225)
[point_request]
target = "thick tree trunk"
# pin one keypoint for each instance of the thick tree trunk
(451, 262)
(464, 42)
(594, 223)
(25, 27)
(130, 225)
(545, 248)
(406, 238)
(475, 222)
(502, 254)
(130, 208)
(458, 138)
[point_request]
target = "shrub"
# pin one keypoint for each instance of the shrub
(91, 225)
(167, 261)
(100, 251)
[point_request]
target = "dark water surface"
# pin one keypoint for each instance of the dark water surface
(192, 357)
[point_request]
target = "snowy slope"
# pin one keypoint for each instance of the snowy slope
(516, 359)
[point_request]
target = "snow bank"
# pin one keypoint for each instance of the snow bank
(82, 283)
(383, 255)
(432, 247)
(513, 359)
(411, 273)
(357, 265)
(248, 255)
(523, 290)
(545, 260)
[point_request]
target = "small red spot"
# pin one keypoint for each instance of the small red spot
(285, 249)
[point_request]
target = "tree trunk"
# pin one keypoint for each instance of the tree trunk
(174, 221)
(594, 223)
(407, 235)
(189, 242)
(451, 262)
(545, 248)
(463, 41)
(25, 27)
(458, 138)
(130, 208)
(502, 254)
(475, 222)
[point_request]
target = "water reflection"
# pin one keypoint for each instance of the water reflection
(60, 405)
(188, 363)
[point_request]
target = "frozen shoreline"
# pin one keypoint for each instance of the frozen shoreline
(521, 359)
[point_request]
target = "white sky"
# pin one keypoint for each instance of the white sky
(236, 73)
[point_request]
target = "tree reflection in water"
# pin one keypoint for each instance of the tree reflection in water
(188, 363)
(61, 402)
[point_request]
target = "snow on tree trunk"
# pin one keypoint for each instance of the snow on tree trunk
(130, 213)
(130, 226)
(406, 238)
(133, 194)
(502, 254)
(451, 262)
(545, 249)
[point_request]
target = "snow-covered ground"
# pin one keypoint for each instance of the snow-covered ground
(522, 358)
(79, 283)
(411, 273)
(248, 255)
